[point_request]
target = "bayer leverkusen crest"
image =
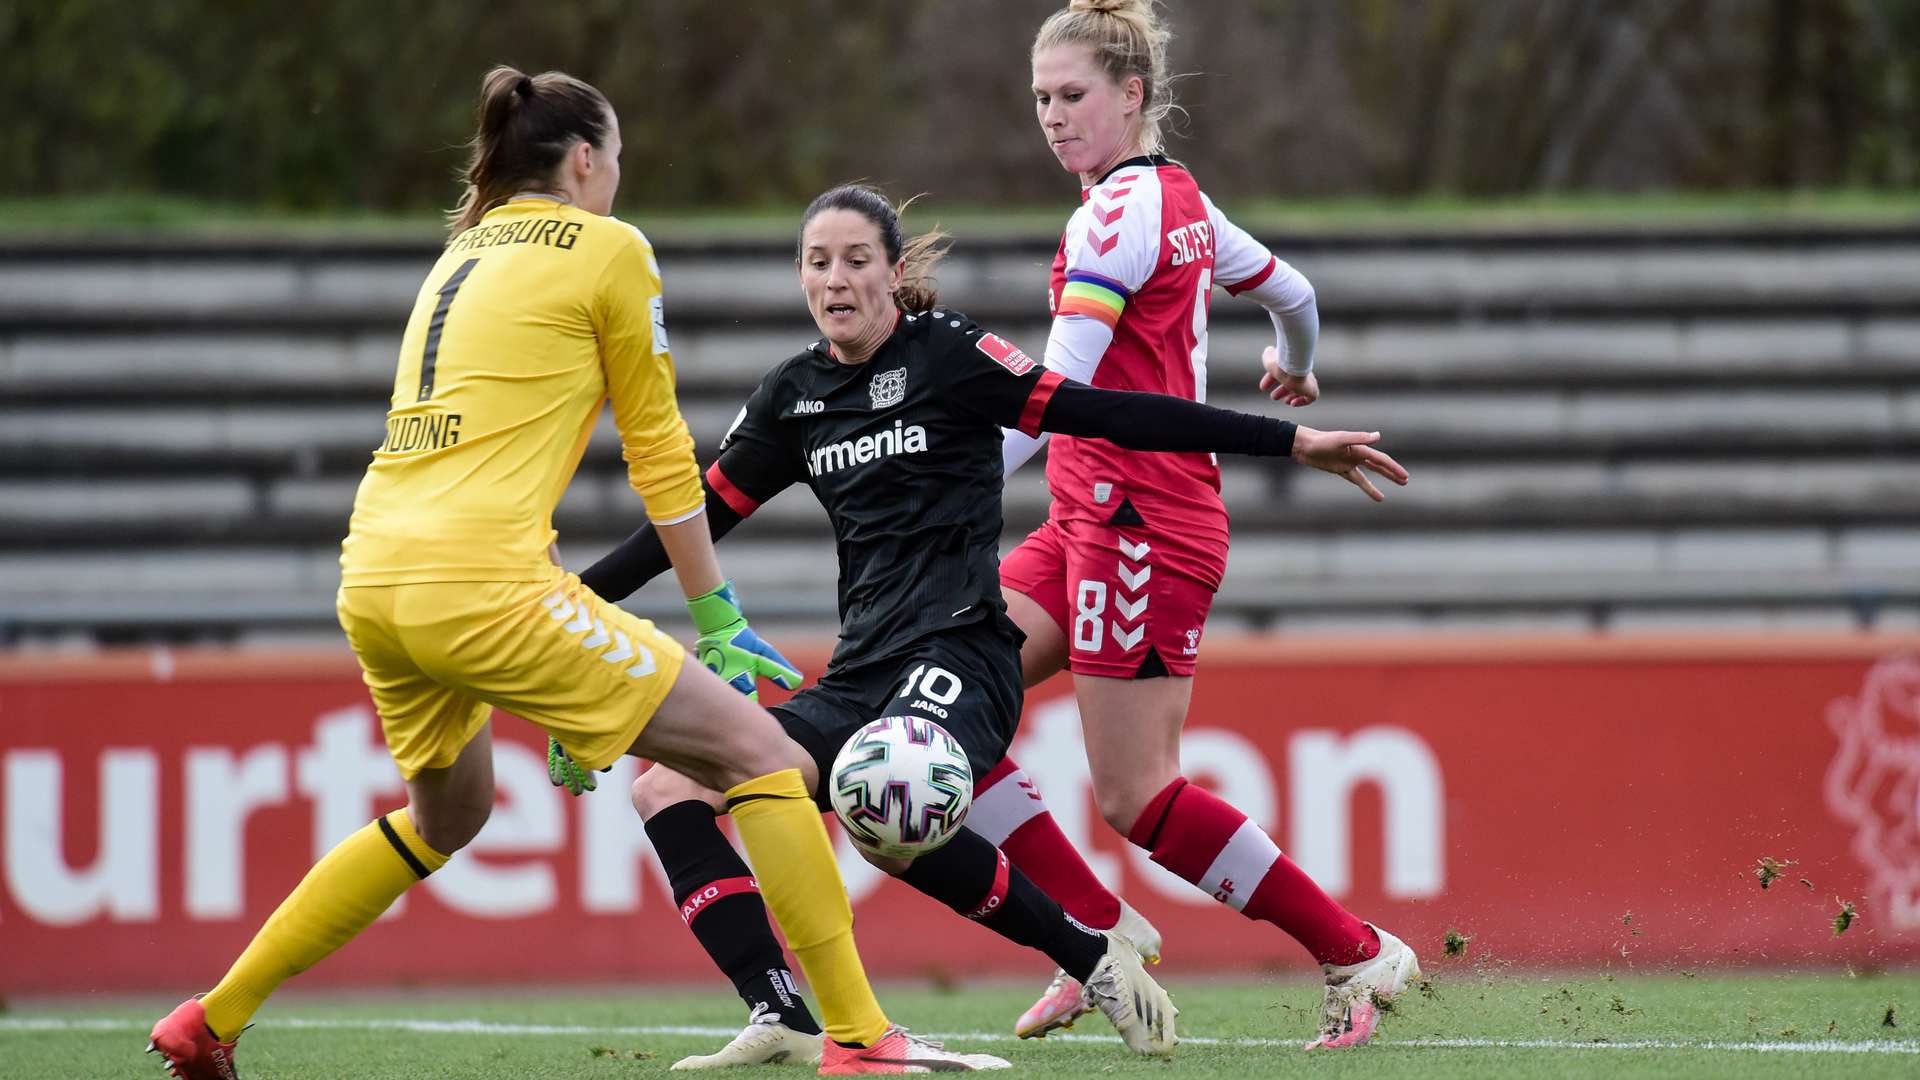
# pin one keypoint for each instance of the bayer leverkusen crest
(889, 388)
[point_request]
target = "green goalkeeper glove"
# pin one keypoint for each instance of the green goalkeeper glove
(730, 649)
(566, 772)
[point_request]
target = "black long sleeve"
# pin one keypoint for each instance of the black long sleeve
(1139, 421)
(642, 557)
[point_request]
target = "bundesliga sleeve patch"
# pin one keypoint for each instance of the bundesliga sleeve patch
(1005, 353)
(659, 310)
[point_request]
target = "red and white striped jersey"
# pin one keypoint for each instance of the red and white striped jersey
(1141, 256)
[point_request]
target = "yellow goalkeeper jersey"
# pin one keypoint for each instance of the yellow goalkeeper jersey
(527, 323)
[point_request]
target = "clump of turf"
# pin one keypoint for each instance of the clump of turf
(1454, 944)
(610, 1052)
(1770, 870)
(1887, 1019)
(1844, 917)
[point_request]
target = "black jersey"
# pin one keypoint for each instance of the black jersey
(903, 451)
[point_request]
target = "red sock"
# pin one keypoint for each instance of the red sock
(1008, 811)
(1193, 833)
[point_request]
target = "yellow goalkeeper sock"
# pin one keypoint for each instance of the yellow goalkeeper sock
(339, 897)
(793, 861)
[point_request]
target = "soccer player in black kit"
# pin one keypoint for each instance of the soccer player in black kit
(894, 420)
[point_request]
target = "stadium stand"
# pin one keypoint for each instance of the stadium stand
(1707, 428)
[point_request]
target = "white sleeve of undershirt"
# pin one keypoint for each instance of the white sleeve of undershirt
(1244, 267)
(1074, 348)
(1018, 447)
(1114, 238)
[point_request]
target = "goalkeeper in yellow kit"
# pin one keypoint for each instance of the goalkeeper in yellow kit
(541, 308)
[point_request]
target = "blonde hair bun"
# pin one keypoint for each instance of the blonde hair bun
(1128, 40)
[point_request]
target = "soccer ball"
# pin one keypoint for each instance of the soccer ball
(901, 786)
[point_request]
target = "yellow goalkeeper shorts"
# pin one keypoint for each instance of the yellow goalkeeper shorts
(439, 656)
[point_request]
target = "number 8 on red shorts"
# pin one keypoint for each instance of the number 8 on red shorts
(1132, 603)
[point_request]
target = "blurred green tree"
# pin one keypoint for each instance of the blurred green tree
(317, 104)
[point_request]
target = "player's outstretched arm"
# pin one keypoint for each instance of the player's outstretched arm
(1349, 455)
(1160, 422)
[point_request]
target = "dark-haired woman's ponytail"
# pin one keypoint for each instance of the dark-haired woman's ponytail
(526, 125)
(918, 290)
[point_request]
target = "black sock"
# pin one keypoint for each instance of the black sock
(971, 876)
(722, 906)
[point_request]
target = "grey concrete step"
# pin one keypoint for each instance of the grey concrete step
(1655, 356)
(116, 509)
(1355, 568)
(302, 288)
(1557, 423)
(1825, 601)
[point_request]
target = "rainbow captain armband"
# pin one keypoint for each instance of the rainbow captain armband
(1094, 296)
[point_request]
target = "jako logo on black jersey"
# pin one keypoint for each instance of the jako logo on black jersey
(895, 440)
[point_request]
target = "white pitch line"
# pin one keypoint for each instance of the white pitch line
(484, 1027)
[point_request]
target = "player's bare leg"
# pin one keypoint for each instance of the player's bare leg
(1044, 654)
(342, 895)
(1132, 732)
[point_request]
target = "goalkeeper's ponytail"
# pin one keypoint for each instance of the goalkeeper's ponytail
(527, 123)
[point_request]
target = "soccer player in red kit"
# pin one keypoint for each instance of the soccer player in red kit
(1116, 585)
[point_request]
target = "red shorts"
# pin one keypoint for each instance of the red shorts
(1131, 604)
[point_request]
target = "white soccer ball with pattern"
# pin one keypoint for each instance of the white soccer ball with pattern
(901, 786)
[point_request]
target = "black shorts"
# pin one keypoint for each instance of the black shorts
(966, 679)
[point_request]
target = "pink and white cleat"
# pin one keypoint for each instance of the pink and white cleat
(1066, 1000)
(901, 1051)
(1350, 1013)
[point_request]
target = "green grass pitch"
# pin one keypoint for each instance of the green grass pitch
(1469, 1023)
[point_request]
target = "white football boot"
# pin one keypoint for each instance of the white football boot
(1140, 1010)
(1135, 928)
(1350, 1011)
(1065, 1000)
(766, 1041)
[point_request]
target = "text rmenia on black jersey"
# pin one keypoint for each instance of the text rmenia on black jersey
(889, 441)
